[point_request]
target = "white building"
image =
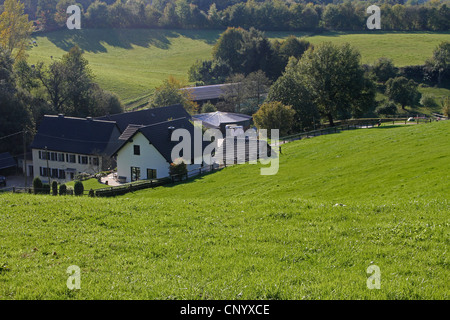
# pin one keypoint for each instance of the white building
(146, 151)
(66, 146)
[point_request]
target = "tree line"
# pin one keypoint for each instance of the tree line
(261, 14)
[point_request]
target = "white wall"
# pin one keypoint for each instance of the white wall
(150, 158)
(80, 168)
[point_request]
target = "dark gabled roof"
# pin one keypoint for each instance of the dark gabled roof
(159, 135)
(147, 117)
(215, 119)
(207, 92)
(6, 160)
(75, 135)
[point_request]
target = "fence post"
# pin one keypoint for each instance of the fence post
(14, 189)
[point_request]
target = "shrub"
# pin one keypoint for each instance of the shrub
(37, 185)
(70, 191)
(208, 107)
(78, 188)
(388, 108)
(91, 193)
(178, 169)
(46, 188)
(62, 190)
(55, 188)
(428, 101)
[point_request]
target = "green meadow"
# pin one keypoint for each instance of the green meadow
(339, 203)
(133, 62)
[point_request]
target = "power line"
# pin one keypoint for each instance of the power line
(11, 135)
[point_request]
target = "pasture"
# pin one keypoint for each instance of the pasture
(133, 62)
(339, 203)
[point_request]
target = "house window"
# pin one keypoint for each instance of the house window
(61, 157)
(70, 158)
(135, 173)
(137, 150)
(82, 159)
(151, 173)
(53, 156)
(95, 161)
(62, 174)
(43, 155)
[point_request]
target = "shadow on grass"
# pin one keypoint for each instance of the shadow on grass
(94, 40)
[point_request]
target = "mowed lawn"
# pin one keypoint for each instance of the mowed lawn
(338, 204)
(132, 62)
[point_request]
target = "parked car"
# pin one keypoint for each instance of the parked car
(2, 181)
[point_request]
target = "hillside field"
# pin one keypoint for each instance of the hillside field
(339, 203)
(133, 62)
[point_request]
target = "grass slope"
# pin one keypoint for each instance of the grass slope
(237, 235)
(132, 63)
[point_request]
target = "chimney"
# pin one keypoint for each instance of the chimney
(89, 118)
(60, 115)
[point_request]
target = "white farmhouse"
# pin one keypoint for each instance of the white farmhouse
(66, 146)
(146, 151)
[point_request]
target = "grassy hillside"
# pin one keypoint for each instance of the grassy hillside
(338, 204)
(133, 62)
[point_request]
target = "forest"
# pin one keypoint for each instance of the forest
(266, 15)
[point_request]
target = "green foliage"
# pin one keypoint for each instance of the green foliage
(403, 91)
(62, 190)
(78, 188)
(169, 93)
(275, 115)
(55, 188)
(290, 89)
(70, 89)
(208, 107)
(178, 169)
(335, 80)
(91, 193)
(45, 188)
(388, 108)
(439, 63)
(384, 69)
(37, 185)
(428, 101)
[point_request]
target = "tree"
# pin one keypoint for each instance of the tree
(15, 29)
(289, 89)
(384, 69)
(37, 185)
(257, 84)
(78, 188)
(208, 107)
(169, 93)
(440, 61)
(389, 108)
(402, 91)
(335, 79)
(275, 115)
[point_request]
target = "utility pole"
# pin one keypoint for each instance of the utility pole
(25, 158)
